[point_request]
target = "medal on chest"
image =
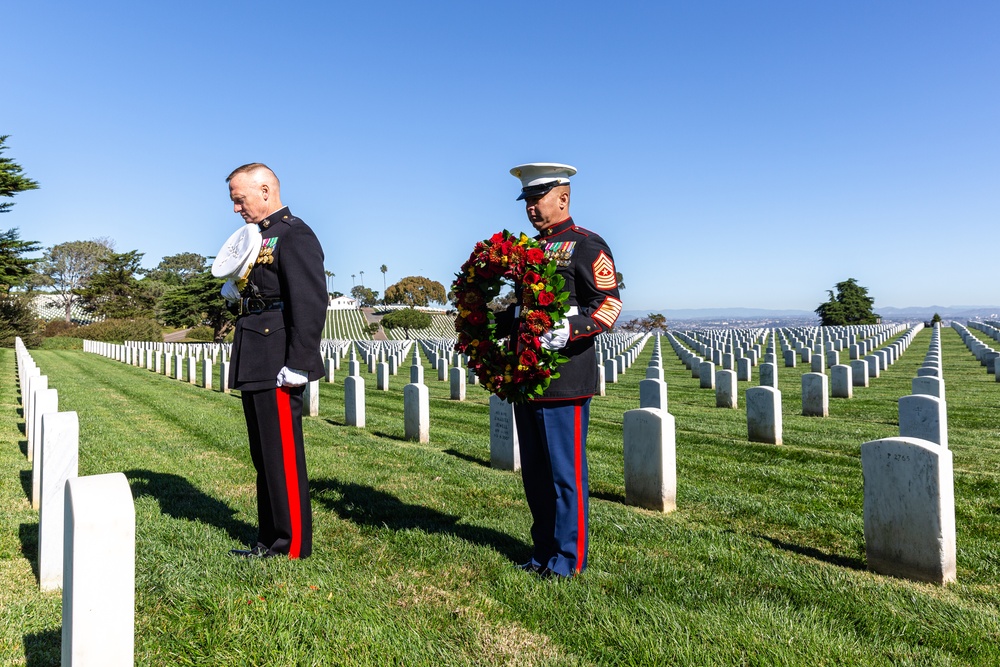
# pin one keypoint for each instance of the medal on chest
(562, 252)
(266, 254)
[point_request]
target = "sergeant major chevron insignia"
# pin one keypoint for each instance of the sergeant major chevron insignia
(604, 272)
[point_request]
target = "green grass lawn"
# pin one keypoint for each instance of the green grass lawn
(763, 563)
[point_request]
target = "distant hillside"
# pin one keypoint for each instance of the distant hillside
(717, 313)
(887, 312)
(948, 312)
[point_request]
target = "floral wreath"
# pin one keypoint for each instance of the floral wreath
(519, 371)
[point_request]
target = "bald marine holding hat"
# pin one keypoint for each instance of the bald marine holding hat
(552, 429)
(277, 288)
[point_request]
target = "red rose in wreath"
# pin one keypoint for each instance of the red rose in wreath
(535, 255)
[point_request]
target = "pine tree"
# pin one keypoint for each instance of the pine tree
(15, 268)
(11, 179)
(113, 291)
(851, 305)
(17, 317)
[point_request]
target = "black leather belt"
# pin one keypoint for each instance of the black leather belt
(253, 306)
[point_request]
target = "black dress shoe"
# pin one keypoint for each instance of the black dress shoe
(257, 552)
(542, 571)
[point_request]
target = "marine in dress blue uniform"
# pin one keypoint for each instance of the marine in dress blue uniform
(552, 429)
(276, 349)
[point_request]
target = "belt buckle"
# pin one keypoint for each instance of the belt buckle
(255, 306)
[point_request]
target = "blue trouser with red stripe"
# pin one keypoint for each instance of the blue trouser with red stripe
(274, 425)
(552, 437)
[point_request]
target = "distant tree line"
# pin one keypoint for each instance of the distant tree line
(652, 323)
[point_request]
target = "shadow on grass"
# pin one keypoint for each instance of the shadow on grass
(23, 445)
(389, 436)
(610, 496)
(182, 500)
(811, 552)
(333, 422)
(26, 483)
(468, 457)
(27, 533)
(366, 506)
(43, 649)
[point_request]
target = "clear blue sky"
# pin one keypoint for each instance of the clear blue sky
(732, 153)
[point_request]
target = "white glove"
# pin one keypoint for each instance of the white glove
(289, 377)
(556, 337)
(230, 291)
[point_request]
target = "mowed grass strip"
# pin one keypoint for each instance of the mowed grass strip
(763, 562)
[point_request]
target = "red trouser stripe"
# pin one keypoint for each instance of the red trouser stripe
(291, 469)
(581, 530)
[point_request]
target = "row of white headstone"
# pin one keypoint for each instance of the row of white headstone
(615, 356)
(177, 360)
(990, 327)
(131, 350)
(816, 388)
(985, 354)
(416, 399)
(909, 528)
(383, 358)
(180, 361)
(764, 402)
(909, 495)
(649, 440)
(86, 530)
